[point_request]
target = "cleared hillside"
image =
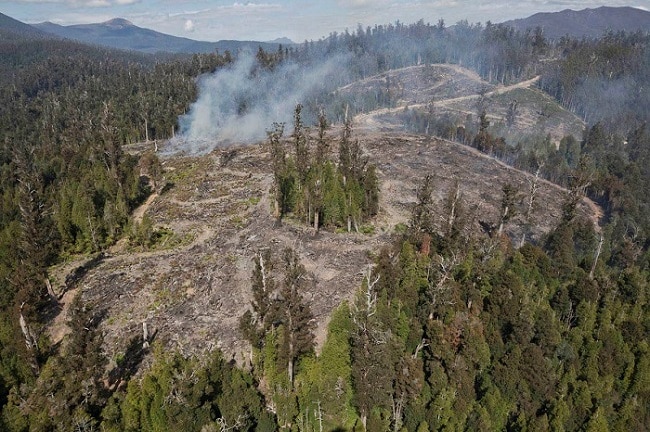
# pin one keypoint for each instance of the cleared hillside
(460, 95)
(192, 286)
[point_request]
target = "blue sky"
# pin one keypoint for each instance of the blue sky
(269, 19)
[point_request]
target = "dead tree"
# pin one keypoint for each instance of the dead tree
(451, 219)
(596, 256)
(533, 184)
(438, 290)
(237, 425)
(370, 293)
(419, 348)
(533, 187)
(30, 338)
(145, 335)
(319, 416)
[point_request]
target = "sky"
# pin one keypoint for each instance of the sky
(264, 20)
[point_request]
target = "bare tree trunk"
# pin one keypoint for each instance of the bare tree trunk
(263, 271)
(25, 330)
(452, 210)
(316, 220)
(92, 232)
(596, 256)
(30, 339)
(290, 362)
(319, 417)
(503, 216)
(397, 413)
(290, 365)
(418, 348)
(308, 218)
(50, 290)
(534, 186)
(145, 335)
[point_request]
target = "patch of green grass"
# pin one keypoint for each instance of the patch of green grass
(367, 229)
(165, 238)
(238, 221)
(401, 228)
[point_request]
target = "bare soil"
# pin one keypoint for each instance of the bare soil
(192, 287)
(462, 94)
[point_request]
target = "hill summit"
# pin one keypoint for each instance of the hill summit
(589, 23)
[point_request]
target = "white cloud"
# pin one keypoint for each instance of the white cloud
(189, 26)
(249, 7)
(85, 3)
(361, 3)
(355, 3)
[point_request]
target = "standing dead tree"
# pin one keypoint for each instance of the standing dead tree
(596, 256)
(30, 338)
(533, 188)
(508, 209)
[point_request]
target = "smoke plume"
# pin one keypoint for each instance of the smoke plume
(239, 103)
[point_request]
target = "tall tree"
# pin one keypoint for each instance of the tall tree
(301, 143)
(422, 213)
(295, 314)
(508, 206)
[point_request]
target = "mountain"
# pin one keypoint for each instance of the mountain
(283, 41)
(589, 23)
(11, 29)
(122, 34)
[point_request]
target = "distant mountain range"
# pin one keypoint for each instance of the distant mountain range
(122, 34)
(588, 23)
(11, 29)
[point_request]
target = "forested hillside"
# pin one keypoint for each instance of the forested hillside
(452, 327)
(67, 185)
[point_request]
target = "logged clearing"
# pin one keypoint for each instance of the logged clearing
(216, 215)
(462, 95)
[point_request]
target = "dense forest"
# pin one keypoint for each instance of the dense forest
(450, 330)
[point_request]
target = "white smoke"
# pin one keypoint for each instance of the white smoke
(239, 103)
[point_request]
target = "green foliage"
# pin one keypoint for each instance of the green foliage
(281, 327)
(68, 187)
(312, 188)
(325, 381)
(68, 390)
(186, 394)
